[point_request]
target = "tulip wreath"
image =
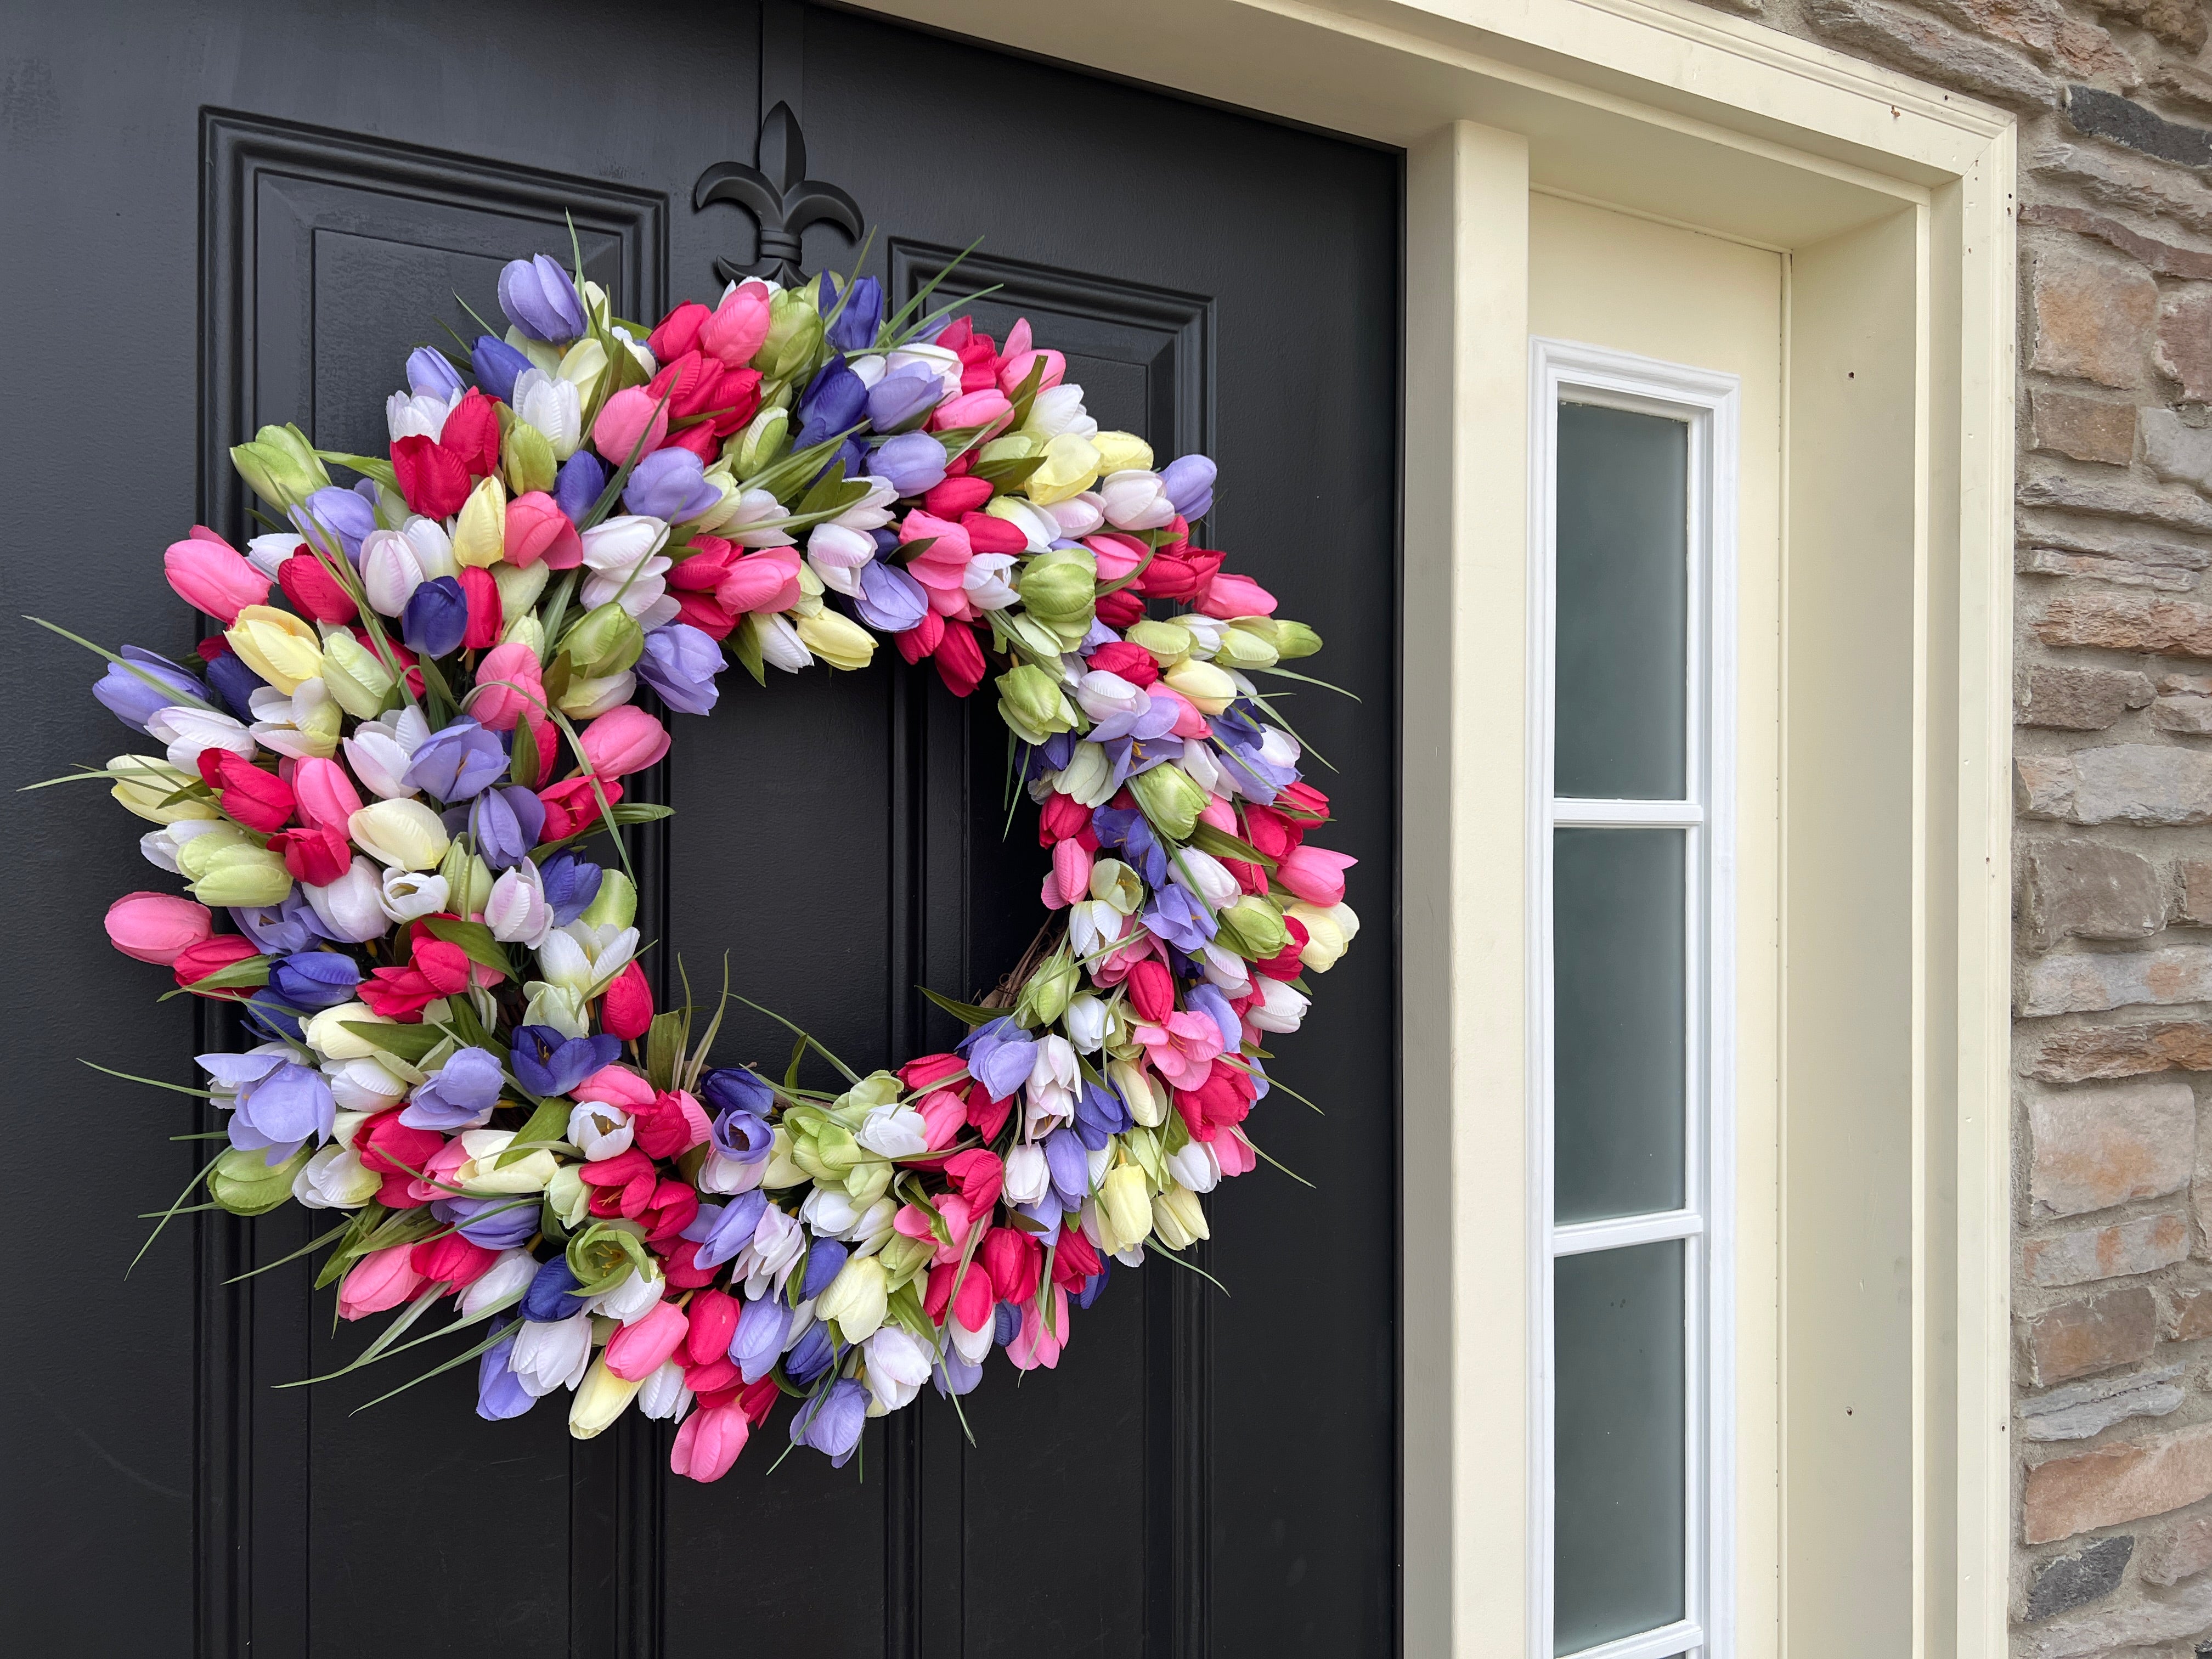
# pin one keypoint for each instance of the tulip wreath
(397, 788)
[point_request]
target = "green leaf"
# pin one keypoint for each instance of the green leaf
(475, 938)
(968, 1013)
(745, 644)
(411, 1043)
(786, 475)
(1024, 396)
(254, 970)
(1223, 845)
(522, 765)
(139, 669)
(1011, 473)
(640, 811)
(549, 1122)
(367, 465)
(663, 1047)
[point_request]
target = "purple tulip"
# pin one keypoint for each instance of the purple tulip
(436, 618)
(825, 1260)
(889, 601)
(832, 1423)
(1207, 999)
(335, 511)
(1125, 828)
(1100, 1115)
(292, 925)
(1045, 1216)
(547, 1063)
(810, 1356)
(1000, 1055)
(234, 682)
(742, 1137)
(461, 1095)
(1070, 1170)
(498, 366)
(271, 1018)
(570, 883)
(912, 462)
(1008, 1325)
(278, 1106)
(855, 328)
(1188, 481)
(955, 1375)
(315, 979)
(670, 483)
(1097, 1282)
(720, 1231)
(680, 663)
(549, 1299)
(538, 299)
(497, 1223)
(131, 700)
(758, 1342)
(507, 822)
(903, 398)
(1173, 915)
(578, 485)
(834, 400)
(429, 374)
(500, 1393)
(458, 762)
(737, 1089)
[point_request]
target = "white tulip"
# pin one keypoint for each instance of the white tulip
(552, 1355)
(1279, 1009)
(509, 1276)
(350, 907)
(266, 553)
(665, 1396)
(638, 1294)
(420, 416)
(600, 1130)
(1028, 1176)
(897, 1366)
(407, 895)
(517, 912)
(188, 731)
(894, 1131)
(551, 405)
(335, 1179)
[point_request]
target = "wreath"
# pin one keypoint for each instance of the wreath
(403, 786)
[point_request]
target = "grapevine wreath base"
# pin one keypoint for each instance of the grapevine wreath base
(382, 780)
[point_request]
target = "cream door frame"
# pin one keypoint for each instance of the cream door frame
(1892, 200)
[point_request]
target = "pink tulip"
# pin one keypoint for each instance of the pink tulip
(738, 326)
(157, 926)
(1071, 868)
(634, 423)
(210, 576)
(1015, 367)
(988, 408)
(1038, 1345)
(538, 529)
(324, 791)
(709, 1442)
(1118, 556)
(383, 1279)
(616, 1086)
(943, 1115)
(1237, 596)
(1182, 1048)
(1234, 1153)
(623, 740)
(1220, 814)
(508, 688)
(635, 1352)
(1314, 875)
(767, 580)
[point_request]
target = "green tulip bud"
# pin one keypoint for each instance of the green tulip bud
(605, 1254)
(1254, 929)
(1032, 701)
(1294, 640)
(1046, 997)
(616, 905)
(868, 1181)
(238, 873)
(244, 1183)
(604, 641)
(356, 678)
(520, 586)
(1169, 642)
(1033, 636)
(1014, 446)
(280, 465)
(1171, 798)
(1060, 587)
(761, 445)
(1245, 648)
(468, 880)
(527, 458)
(904, 1259)
(794, 334)
(526, 630)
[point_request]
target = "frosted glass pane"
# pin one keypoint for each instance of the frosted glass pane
(1623, 607)
(1618, 1011)
(1619, 1502)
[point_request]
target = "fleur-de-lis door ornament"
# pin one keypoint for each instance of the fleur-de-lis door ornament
(779, 196)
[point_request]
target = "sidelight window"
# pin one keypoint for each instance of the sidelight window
(1632, 497)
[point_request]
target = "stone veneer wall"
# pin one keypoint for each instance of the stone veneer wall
(2112, 1002)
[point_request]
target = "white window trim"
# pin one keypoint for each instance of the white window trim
(1709, 402)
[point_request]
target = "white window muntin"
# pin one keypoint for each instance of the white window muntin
(1707, 402)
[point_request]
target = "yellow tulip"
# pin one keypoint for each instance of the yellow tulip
(327, 1035)
(1209, 689)
(1329, 933)
(146, 784)
(1070, 466)
(1125, 1211)
(480, 533)
(239, 873)
(837, 639)
(1179, 1218)
(277, 645)
(600, 1398)
(354, 676)
(855, 1299)
(404, 835)
(1121, 452)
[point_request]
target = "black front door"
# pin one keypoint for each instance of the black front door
(221, 215)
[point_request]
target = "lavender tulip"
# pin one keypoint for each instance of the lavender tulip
(912, 462)
(547, 1063)
(854, 327)
(903, 398)
(276, 1104)
(335, 513)
(1008, 1325)
(507, 822)
(276, 928)
(436, 617)
(429, 376)
(831, 1423)
(956, 1373)
(498, 366)
(539, 299)
(758, 1342)
(1070, 1170)
(578, 485)
(460, 1097)
(720, 1231)
(670, 484)
(1188, 481)
(1000, 1055)
(889, 601)
(833, 401)
(132, 701)
(680, 663)
(315, 979)
(1173, 915)
(458, 762)
(497, 1223)
(1208, 999)
(549, 1297)
(825, 1260)
(570, 883)
(1100, 1115)
(500, 1393)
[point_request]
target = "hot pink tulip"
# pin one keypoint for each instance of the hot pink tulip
(623, 740)
(738, 326)
(157, 926)
(1314, 875)
(616, 1086)
(1237, 596)
(210, 576)
(709, 1442)
(712, 1320)
(508, 687)
(538, 529)
(383, 1279)
(1071, 868)
(635, 1352)
(325, 794)
(634, 423)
